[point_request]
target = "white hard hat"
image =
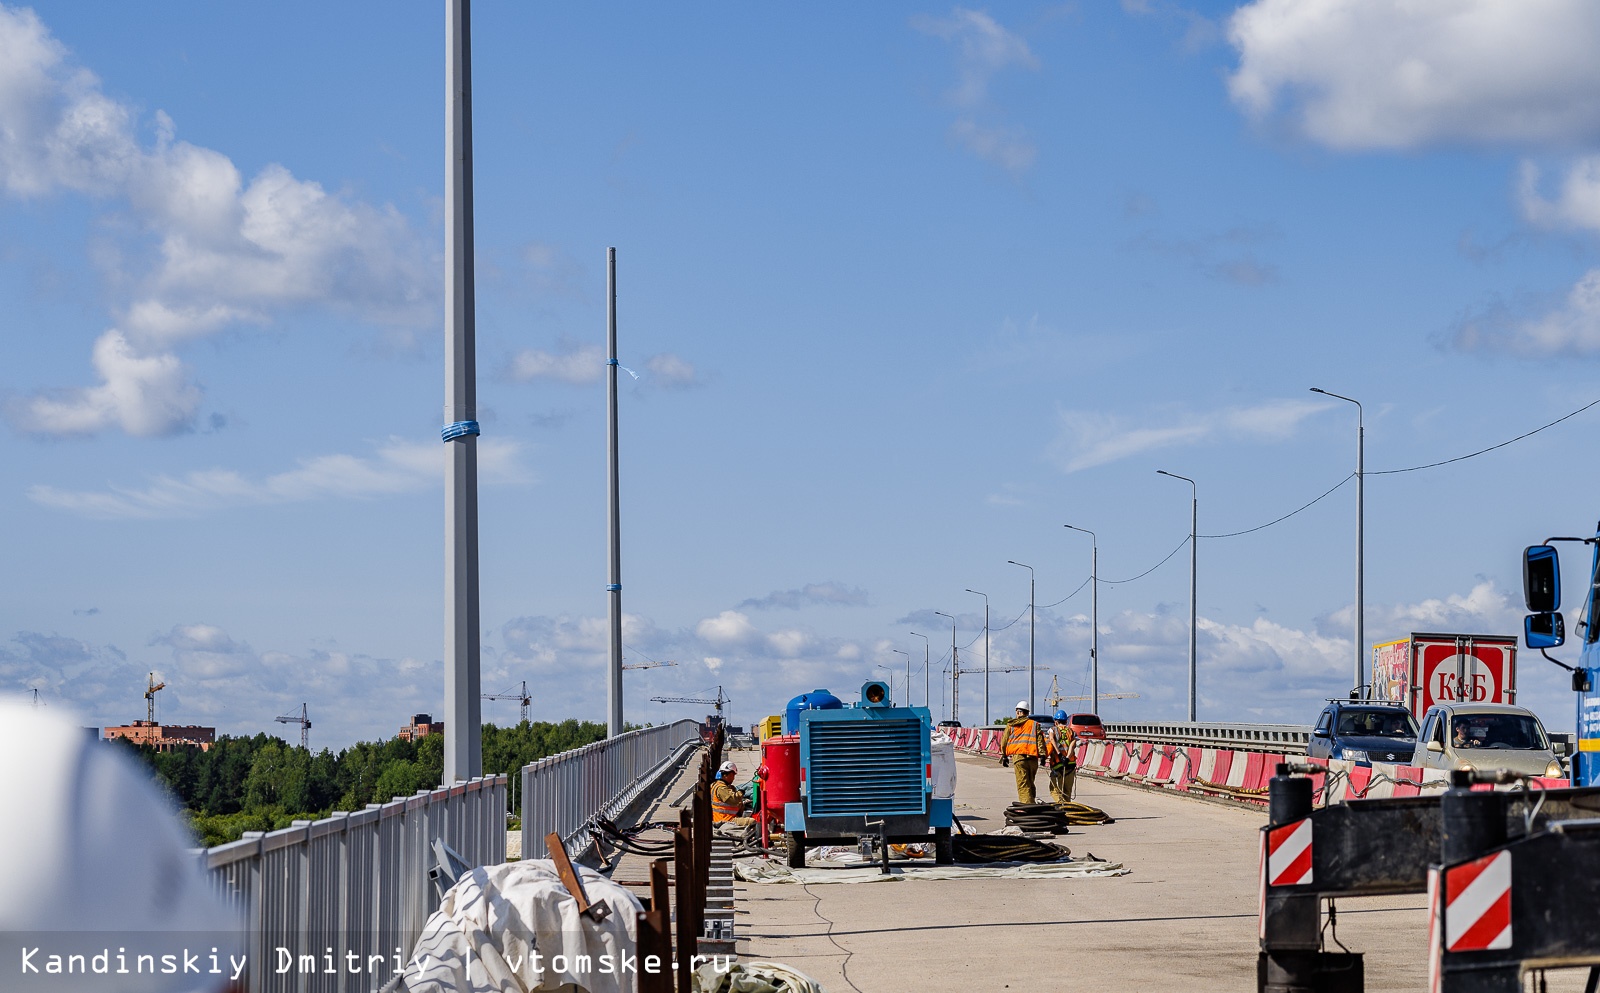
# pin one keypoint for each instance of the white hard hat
(1023, 705)
(727, 767)
(99, 852)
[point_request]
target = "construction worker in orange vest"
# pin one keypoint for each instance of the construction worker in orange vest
(1063, 762)
(1020, 748)
(727, 802)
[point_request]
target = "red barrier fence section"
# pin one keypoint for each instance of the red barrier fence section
(1235, 775)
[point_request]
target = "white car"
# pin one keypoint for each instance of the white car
(1485, 736)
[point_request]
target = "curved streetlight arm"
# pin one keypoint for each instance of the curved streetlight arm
(1094, 615)
(1194, 605)
(1031, 629)
(1361, 524)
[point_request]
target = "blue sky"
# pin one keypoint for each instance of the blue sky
(906, 288)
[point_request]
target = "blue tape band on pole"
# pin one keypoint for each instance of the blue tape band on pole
(614, 588)
(611, 361)
(460, 429)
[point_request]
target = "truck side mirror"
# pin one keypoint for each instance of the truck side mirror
(1541, 579)
(1546, 630)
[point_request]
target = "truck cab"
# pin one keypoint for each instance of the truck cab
(1544, 629)
(1485, 736)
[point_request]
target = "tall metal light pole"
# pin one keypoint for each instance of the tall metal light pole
(1030, 630)
(463, 700)
(1361, 541)
(613, 507)
(1094, 616)
(927, 701)
(1194, 541)
(908, 673)
(955, 670)
(988, 715)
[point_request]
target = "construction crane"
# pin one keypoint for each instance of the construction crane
(1056, 698)
(526, 701)
(304, 720)
(150, 692)
(717, 703)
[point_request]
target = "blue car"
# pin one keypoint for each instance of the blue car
(1363, 732)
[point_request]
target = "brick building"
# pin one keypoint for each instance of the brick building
(165, 737)
(421, 726)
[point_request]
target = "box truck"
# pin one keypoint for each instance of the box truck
(1424, 669)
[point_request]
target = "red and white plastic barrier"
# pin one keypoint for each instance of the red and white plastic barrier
(1230, 774)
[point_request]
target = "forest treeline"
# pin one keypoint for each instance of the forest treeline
(263, 783)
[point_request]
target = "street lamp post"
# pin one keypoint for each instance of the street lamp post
(1194, 541)
(1094, 616)
(1030, 629)
(1361, 523)
(955, 670)
(890, 668)
(987, 713)
(908, 673)
(927, 701)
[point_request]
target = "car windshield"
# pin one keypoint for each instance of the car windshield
(1517, 731)
(1376, 723)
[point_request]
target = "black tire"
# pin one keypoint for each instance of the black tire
(944, 850)
(797, 849)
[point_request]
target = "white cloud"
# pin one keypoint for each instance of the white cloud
(1089, 439)
(823, 594)
(209, 251)
(1357, 74)
(215, 679)
(577, 364)
(729, 628)
(397, 467)
(144, 394)
(1577, 205)
(670, 371)
(983, 48)
(1571, 328)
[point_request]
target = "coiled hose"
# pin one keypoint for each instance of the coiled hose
(980, 849)
(1054, 817)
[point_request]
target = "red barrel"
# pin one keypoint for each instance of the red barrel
(779, 773)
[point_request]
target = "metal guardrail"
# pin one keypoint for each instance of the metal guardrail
(1287, 739)
(565, 793)
(354, 882)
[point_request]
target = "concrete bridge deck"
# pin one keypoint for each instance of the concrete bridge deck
(1184, 919)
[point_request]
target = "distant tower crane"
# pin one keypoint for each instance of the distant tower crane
(1055, 698)
(523, 697)
(718, 702)
(150, 692)
(302, 719)
(652, 664)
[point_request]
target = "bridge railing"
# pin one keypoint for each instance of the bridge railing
(354, 882)
(1286, 739)
(565, 793)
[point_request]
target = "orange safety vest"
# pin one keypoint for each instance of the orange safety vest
(1022, 738)
(723, 806)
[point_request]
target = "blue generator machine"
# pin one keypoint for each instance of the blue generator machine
(866, 772)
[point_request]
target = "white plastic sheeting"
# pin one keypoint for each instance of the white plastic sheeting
(514, 927)
(944, 764)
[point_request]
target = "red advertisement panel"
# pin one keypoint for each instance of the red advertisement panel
(1463, 670)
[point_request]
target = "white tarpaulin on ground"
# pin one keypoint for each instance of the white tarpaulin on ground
(754, 977)
(514, 928)
(756, 870)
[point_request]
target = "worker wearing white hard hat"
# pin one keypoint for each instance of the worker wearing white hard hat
(1020, 748)
(728, 803)
(94, 862)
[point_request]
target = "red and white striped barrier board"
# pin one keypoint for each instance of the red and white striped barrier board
(1237, 776)
(1477, 904)
(1289, 854)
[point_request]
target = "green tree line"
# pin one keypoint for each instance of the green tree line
(263, 783)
